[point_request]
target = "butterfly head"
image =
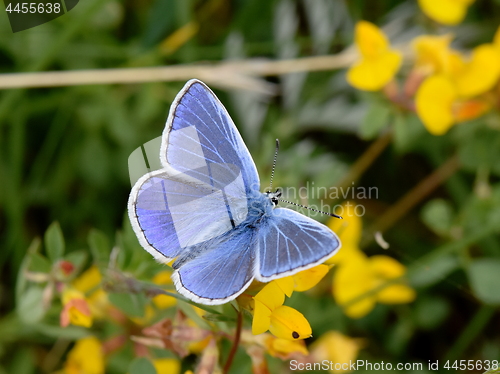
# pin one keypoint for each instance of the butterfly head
(274, 197)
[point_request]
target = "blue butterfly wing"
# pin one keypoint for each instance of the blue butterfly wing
(217, 271)
(289, 242)
(171, 212)
(200, 134)
(207, 174)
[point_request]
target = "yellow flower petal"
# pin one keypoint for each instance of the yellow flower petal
(76, 310)
(352, 283)
(348, 228)
(378, 64)
(447, 12)
(285, 284)
(85, 357)
(432, 53)
(163, 277)
(266, 301)
(386, 267)
(396, 294)
(261, 318)
(307, 279)
(163, 301)
(279, 347)
(338, 348)
(167, 366)
(481, 73)
(374, 74)
(349, 231)
(370, 40)
(89, 280)
(434, 102)
(288, 323)
(271, 295)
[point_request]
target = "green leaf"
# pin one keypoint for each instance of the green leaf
(22, 282)
(376, 119)
(408, 131)
(430, 312)
(479, 147)
(218, 318)
(70, 332)
(99, 246)
(132, 305)
(39, 263)
(432, 272)
(484, 277)
(23, 361)
(54, 242)
(437, 214)
(30, 308)
(141, 365)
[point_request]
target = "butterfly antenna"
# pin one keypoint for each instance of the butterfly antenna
(314, 210)
(274, 163)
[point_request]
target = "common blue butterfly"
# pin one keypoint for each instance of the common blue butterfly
(205, 209)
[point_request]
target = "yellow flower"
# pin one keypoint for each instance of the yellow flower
(89, 283)
(433, 54)
(439, 106)
(307, 279)
(480, 73)
(348, 230)
(447, 12)
(282, 321)
(163, 301)
(338, 348)
(278, 347)
(434, 104)
(76, 310)
(378, 63)
(302, 281)
(357, 284)
(269, 311)
(86, 357)
(167, 366)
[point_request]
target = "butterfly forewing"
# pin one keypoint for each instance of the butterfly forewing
(200, 133)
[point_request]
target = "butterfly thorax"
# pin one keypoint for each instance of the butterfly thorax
(260, 206)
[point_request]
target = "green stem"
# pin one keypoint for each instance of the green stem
(475, 326)
(365, 160)
(412, 198)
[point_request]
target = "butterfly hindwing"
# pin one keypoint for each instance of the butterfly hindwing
(289, 242)
(221, 270)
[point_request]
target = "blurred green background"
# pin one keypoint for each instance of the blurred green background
(64, 153)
